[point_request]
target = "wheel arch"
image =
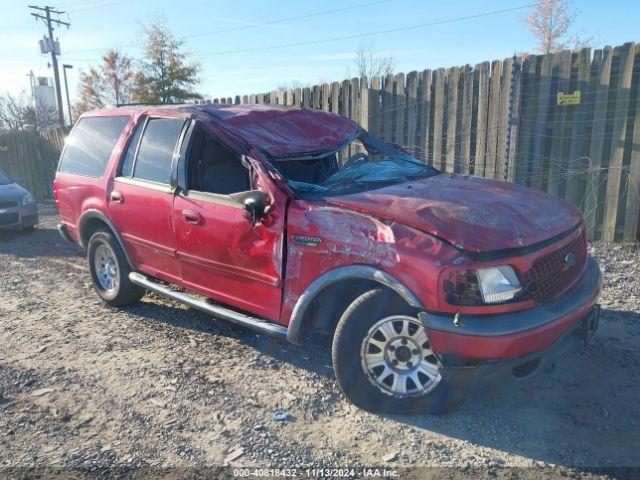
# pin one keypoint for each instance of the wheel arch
(91, 220)
(363, 274)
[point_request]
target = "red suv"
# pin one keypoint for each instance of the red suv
(297, 222)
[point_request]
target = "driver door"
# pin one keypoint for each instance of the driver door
(222, 255)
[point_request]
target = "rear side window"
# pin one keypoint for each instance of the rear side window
(155, 153)
(88, 148)
(127, 164)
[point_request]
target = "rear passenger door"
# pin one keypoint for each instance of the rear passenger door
(141, 198)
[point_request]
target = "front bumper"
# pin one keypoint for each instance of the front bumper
(18, 217)
(469, 375)
(514, 334)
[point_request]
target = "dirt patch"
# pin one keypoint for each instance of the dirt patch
(158, 384)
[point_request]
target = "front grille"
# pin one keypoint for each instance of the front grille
(551, 275)
(8, 203)
(9, 218)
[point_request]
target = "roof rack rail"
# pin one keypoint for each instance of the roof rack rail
(134, 104)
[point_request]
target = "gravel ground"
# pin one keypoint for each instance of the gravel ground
(157, 384)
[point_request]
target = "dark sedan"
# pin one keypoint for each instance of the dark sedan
(18, 207)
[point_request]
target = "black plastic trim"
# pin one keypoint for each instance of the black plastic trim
(89, 214)
(352, 272)
(517, 251)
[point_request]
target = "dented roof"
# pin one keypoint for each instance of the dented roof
(276, 130)
(282, 131)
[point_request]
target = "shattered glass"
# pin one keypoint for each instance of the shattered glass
(365, 163)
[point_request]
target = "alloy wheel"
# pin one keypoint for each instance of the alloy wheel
(106, 267)
(397, 358)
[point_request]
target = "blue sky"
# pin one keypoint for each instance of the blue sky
(101, 24)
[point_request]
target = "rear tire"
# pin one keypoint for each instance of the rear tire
(110, 270)
(383, 362)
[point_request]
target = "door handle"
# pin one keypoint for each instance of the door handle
(192, 217)
(116, 197)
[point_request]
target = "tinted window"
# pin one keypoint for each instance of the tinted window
(127, 164)
(89, 146)
(156, 150)
(213, 168)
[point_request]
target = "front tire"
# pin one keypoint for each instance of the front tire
(110, 270)
(382, 359)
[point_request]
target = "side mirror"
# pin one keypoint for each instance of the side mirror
(255, 204)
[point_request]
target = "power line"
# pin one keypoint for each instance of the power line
(72, 3)
(289, 19)
(367, 34)
(99, 6)
(255, 25)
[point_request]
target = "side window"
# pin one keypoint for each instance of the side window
(126, 169)
(89, 146)
(214, 168)
(155, 152)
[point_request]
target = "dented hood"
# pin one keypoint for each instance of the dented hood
(473, 213)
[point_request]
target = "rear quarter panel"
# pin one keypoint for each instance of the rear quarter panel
(77, 193)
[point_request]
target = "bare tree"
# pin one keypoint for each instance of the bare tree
(549, 22)
(370, 63)
(19, 113)
(110, 83)
(292, 85)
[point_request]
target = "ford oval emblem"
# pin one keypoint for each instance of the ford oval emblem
(570, 259)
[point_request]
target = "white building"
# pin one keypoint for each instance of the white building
(44, 95)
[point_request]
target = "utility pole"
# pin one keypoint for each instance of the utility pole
(54, 55)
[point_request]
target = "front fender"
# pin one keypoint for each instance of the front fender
(350, 272)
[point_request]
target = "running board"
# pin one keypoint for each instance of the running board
(215, 310)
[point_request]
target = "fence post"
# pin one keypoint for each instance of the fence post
(438, 116)
(632, 211)
(425, 115)
(503, 116)
(452, 81)
(481, 79)
(614, 174)
(464, 156)
(515, 123)
(493, 123)
(574, 191)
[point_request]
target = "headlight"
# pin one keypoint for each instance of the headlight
(483, 286)
(28, 200)
(498, 284)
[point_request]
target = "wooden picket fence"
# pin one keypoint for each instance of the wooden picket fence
(32, 158)
(566, 123)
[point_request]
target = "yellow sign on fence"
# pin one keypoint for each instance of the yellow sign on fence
(569, 98)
